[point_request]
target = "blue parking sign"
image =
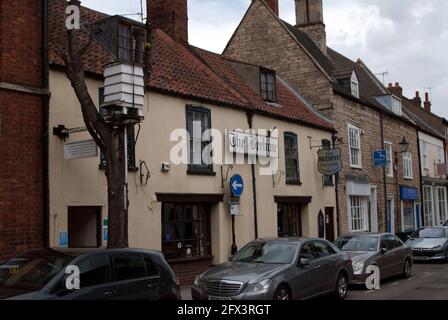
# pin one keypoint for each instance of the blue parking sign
(380, 158)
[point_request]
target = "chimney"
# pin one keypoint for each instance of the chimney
(171, 16)
(396, 90)
(310, 19)
(427, 104)
(274, 6)
(417, 100)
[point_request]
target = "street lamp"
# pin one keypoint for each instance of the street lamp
(404, 145)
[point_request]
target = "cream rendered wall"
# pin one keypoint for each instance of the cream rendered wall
(432, 145)
(81, 183)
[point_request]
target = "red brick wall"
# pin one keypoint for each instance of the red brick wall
(186, 272)
(21, 221)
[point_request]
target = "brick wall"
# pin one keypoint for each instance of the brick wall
(186, 272)
(21, 221)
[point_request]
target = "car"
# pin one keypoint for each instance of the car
(383, 250)
(429, 243)
(278, 269)
(446, 223)
(120, 274)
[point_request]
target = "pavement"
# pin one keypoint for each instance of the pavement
(429, 281)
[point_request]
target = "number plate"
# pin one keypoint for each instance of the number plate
(219, 298)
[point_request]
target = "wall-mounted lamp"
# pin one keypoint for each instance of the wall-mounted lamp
(404, 145)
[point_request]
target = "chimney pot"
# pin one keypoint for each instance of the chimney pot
(397, 84)
(390, 85)
(427, 103)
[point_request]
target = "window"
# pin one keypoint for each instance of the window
(354, 85)
(424, 151)
(94, 270)
(396, 106)
(428, 206)
(408, 216)
(186, 230)
(441, 199)
(407, 165)
(289, 220)
(322, 249)
(267, 85)
(130, 138)
(307, 252)
(151, 269)
(198, 127)
(440, 157)
(128, 266)
(390, 164)
(125, 42)
(354, 138)
(327, 180)
(291, 159)
(358, 213)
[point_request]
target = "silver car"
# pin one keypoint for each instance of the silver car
(383, 250)
(430, 243)
(278, 269)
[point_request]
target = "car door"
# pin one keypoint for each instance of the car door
(385, 258)
(130, 277)
(398, 252)
(95, 281)
(304, 282)
(327, 262)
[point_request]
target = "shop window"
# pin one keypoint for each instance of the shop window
(408, 215)
(289, 220)
(358, 214)
(292, 158)
(186, 230)
(198, 127)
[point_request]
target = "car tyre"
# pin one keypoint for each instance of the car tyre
(407, 269)
(282, 293)
(446, 256)
(341, 288)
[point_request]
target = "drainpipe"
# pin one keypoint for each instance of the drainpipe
(45, 120)
(336, 184)
(384, 174)
(250, 116)
(422, 216)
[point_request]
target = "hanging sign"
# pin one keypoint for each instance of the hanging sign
(330, 162)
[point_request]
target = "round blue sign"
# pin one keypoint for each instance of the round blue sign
(236, 185)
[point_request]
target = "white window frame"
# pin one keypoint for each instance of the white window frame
(424, 151)
(407, 228)
(358, 147)
(440, 158)
(354, 85)
(396, 106)
(441, 205)
(407, 166)
(390, 160)
(428, 205)
(361, 209)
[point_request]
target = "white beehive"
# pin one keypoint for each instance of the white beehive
(124, 86)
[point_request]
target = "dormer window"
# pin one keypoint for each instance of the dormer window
(354, 85)
(125, 42)
(396, 106)
(267, 85)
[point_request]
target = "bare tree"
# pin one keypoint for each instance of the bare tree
(110, 138)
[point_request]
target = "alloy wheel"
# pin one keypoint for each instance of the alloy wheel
(407, 269)
(341, 287)
(282, 294)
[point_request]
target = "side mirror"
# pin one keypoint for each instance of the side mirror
(384, 250)
(303, 262)
(230, 258)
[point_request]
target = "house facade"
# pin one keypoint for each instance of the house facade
(184, 209)
(368, 117)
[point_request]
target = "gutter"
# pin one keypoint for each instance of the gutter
(250, 116)
(45, 126)
(422, 218)
(336, 188)
(384, 175)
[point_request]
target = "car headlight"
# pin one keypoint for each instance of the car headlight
(437, 247)
(357, 266)
(198, 282)
(262, 285)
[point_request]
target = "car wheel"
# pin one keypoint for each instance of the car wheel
(341, 287)
(446, 255)
(282, 293)
(407, 269)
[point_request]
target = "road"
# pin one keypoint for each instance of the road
(428, 282)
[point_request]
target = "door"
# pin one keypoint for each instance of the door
(329, 224)
(130, 276)
(305, 281)
(289, 221)
(374, 210)
(84, 227)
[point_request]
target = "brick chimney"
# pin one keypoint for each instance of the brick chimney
(310, 19)
(427, 104)
(396, 90)
(171, 16)
(417, 100)
(274, 6)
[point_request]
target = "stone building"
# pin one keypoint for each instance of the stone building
(23, 113)
(367, 116)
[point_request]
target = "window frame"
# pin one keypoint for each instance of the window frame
(424, 152)
(428, 205)
(388, 146)
(268, 94)
(362, 207)
(408, 172)
(354, 85)
(404, 227)
(130, 38)
(441, 204)
(397, 106)
(294, 156)
(359, 147)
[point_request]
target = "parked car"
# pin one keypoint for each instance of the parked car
(384, 250)
(446, 223)
(430, 243)
(124, 274)
(278, 269)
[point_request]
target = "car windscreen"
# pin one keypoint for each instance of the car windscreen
(358, 243)
(429, 233)
(32, 271)
(267, 252)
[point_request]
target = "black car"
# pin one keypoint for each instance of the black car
(121, 274)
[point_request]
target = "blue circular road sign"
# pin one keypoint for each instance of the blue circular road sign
(236, 185)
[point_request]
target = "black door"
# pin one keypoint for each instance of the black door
(329, 224)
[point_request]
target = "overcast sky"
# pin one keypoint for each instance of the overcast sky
(406, 38)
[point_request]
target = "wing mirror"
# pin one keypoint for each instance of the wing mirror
(230, 258)
(384, 250)
(303, 262)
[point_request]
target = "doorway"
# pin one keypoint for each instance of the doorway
(289, 221)
(329, 224)
(84, 227)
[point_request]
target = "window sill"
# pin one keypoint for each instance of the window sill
(356, 168)
(193, 172)
(408, 178)
(329, 185)
(294, 183)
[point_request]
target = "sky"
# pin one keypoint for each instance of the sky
(403, 41)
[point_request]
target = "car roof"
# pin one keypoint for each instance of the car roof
(363, 234)
(75, 252)
(295, 240)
